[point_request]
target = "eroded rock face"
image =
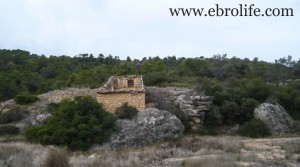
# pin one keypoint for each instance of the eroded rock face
(149, 126)
(183, 102)
(275, 117)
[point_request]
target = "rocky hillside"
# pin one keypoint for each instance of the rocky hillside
(37, 112)
(149, 126)
(182, 102)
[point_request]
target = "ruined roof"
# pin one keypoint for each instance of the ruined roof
(123, 84)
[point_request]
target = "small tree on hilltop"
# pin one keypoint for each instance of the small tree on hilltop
(76, 124)
(25, 98)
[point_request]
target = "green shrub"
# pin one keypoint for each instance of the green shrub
(255, 128)
(8, 130)
(202, 130)
(246, 110)
(12, 115)
(51, 107)
(25, 98)
(213, 118)
(76, 124)
(297, 127)
(228, 111)
(126, 111)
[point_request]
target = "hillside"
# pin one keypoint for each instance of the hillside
(238, 84)
(226, 89)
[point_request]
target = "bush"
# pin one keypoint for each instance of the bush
(8, 130)
(25, 98)
(229, 110)
(246, 110)
(51, 107)
(202, 130)
(57, 158)
(76, 124)
(213, 118)
(12, 115)
(126, 111)
(257, 88)
(255, 128)
(297, 127)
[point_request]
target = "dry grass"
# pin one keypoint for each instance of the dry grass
(218, 162)
(57, 158)
(173, 153)
(189, 151)
(21, 154)
(197, 151)
(18, 154)
(195, 143)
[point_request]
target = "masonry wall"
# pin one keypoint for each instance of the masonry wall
(114, 100)
(122, 83)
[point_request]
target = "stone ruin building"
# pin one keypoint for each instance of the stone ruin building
(130, 88)
(121, 89)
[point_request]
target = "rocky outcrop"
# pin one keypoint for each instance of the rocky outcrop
(275, 117)
(56, 96)
(183, 102)
(38, 112)
(42, 118)
(149, 126)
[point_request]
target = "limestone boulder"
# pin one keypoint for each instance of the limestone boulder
(149, 126)
(275, 117)
(42, 118)
(184, 103)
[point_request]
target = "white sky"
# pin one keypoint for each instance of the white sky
(143, 28)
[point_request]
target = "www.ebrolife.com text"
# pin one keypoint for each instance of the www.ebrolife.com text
(242, 10)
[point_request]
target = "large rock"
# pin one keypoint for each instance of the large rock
(149, 126)
(42, 118)
(184, 103)
(275, 117)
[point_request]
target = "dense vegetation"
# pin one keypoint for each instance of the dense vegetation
(76, 124)
(13, 115)
(25, 98)
(254, 128)
(126, 111)
(237, 84)
(8, 130)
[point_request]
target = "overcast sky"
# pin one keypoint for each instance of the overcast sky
(143, 28)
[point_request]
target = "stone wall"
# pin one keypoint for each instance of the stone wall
(122, 83)
(111, 101)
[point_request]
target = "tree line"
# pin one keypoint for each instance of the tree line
(237, 84)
